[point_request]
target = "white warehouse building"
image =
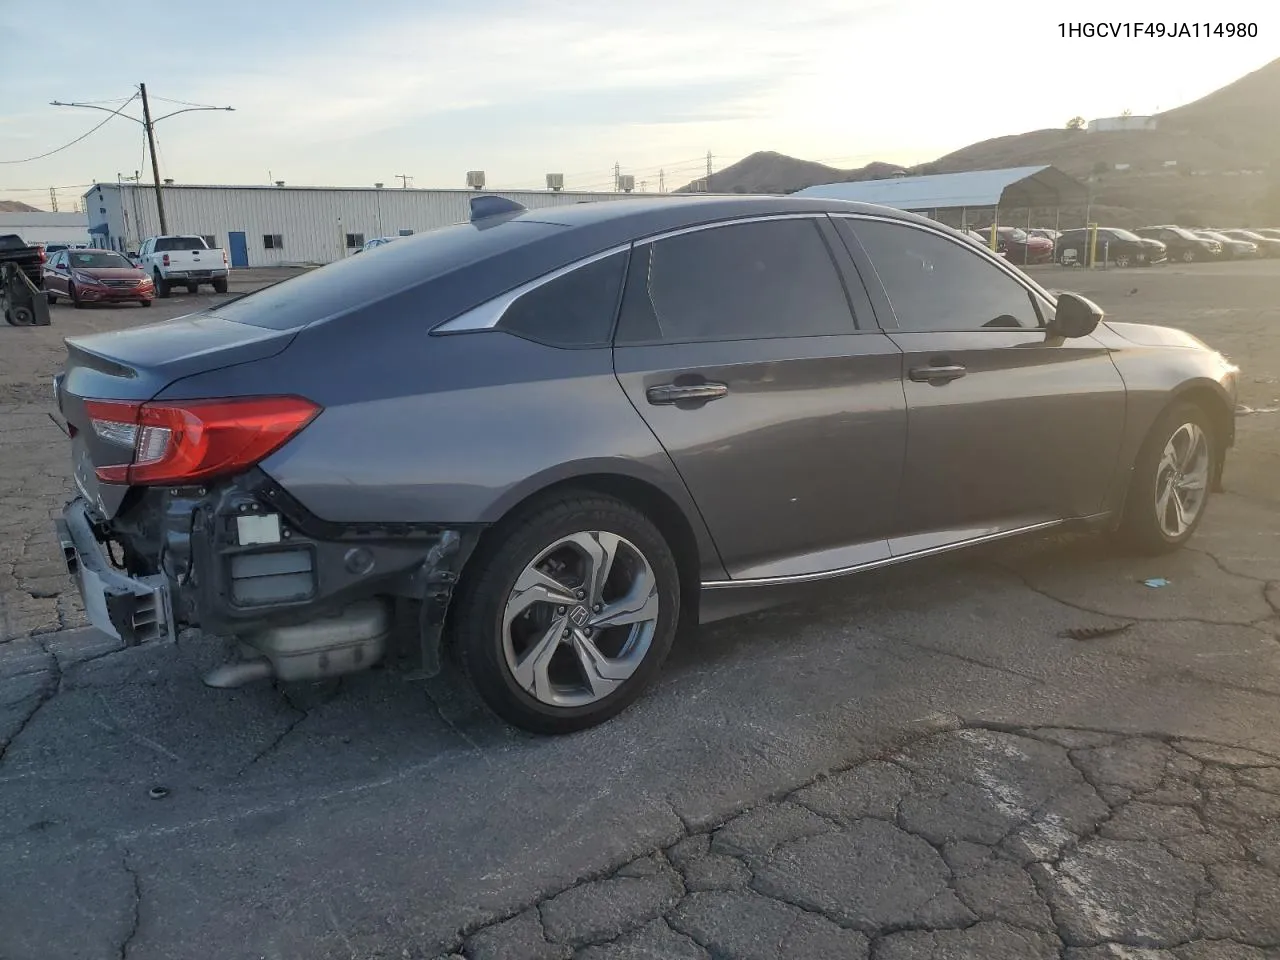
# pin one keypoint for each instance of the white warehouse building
(37, 226)
(264, 226)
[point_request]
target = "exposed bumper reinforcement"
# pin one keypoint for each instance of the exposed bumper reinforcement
(134, 610)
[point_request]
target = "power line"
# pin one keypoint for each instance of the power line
(114, 113)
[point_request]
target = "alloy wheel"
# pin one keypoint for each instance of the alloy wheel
(1182, 480)
(580, 619)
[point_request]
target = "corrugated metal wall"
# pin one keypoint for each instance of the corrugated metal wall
(313, 222)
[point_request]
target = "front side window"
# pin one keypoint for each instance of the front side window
(935, 284)
(573, 310)
(747, 281)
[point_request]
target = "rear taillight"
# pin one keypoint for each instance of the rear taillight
(43, 256)
(165, 260)
(224, 258)
(182, 443)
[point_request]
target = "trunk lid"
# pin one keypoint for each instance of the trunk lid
(136, 364)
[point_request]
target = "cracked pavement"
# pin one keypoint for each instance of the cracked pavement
(922, 764)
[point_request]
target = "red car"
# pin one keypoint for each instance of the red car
(1020, 247)
(96, 276)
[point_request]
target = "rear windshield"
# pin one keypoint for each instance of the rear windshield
(181, 243)
(11, 241)
(89, 259)
(359, 280)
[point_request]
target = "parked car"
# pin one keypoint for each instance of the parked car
(568, 434)
(1268, 232)
(1046, 232)
(1182, 244)
(1023, 248)
(13, 249)
(96, 276)
(1113, 245)
(1267, 246)
(186, 260)
(1232, 249)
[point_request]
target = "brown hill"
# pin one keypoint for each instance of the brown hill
(769, 172)
(17, 206)
(1219, 146)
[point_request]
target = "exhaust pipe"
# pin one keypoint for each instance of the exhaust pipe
(231, 675)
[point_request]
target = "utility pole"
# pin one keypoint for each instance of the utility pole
(662, 181)
(405, 180)
(708, 171)
(617, 172)
(53, 199)
(148, 124)
(155, 164)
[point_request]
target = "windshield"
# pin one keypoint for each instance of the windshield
(1125, 235)
(95, 259)
(180, 243)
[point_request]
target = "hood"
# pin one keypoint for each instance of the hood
(111, 273)
(1149, 335)
(1152, 244)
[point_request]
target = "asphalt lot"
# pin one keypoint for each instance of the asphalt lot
(922, 764)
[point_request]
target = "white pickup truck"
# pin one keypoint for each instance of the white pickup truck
(183, 260)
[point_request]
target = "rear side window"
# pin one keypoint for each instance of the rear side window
(180, 243)
(746, 281)
(573, 310)
(937, 284)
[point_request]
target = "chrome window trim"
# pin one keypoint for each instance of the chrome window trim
(489, 314)
(963, 244)
(884, 561)
(699, 227)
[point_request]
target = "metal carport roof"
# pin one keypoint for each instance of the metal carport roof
(1043, 186)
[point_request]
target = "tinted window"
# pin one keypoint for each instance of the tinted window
(180, 243)
(748, 281)
(937, 284)
(573, 310)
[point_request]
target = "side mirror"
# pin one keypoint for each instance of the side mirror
(1075, 316)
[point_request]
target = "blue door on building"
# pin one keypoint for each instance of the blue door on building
(238, 248)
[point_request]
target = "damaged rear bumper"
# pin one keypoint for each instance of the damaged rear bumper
(131, 609)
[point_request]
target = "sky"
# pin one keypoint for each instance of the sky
(329, 92)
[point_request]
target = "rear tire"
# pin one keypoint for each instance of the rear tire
(499, 627)
(220, 286)
(162, 285)
(1122, 260)
(145, 303)
(1170, 467)
(1188, 256)
(51, 297)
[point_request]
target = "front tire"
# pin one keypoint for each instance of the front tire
(75, 297)
(1122, 260)
(1188, 256)
(1172, 476)
(566, 613)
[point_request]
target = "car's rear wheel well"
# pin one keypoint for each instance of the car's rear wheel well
(664, 513)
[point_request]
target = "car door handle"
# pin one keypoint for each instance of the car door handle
(676, 393)
(939, 374)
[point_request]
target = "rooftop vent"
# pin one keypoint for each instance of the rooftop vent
(555, 181)
(475, 179)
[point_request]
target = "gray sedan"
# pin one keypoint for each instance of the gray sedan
(543, 439)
